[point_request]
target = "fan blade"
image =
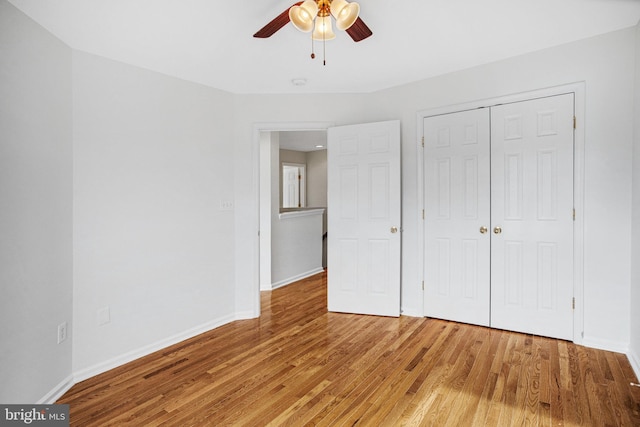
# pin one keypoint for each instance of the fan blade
(275, 24)
(359, 30)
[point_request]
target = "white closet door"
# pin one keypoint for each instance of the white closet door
(457, 241)
(532, 216)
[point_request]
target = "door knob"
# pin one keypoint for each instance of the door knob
(483, 229)
(394, 229)
(497, 230)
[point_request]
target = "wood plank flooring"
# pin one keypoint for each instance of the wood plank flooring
(300, 366)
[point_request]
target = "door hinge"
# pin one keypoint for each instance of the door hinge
(573, 303)
(423, 285)
(423, 140)
(575, 122)
(574, 214)
(422, 213)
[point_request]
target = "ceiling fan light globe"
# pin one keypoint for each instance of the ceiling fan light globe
(347, 16)
(323, 29)
(336, 6)
(345, 13)
(302, 16)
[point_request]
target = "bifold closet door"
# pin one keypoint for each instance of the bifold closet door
(456, 192)
(532, 216)
(499, 216)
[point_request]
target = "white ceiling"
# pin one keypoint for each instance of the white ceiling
(303, 140)
(210, 41)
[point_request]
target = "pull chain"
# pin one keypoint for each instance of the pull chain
(313, 55)
(324, 48)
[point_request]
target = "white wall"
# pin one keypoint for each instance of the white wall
(266, 151)
(35, 210)
(153, 162)
(634, 350)
(317, 178)
(606, 65)
(296, 246)
(317, 189)
(275, 202)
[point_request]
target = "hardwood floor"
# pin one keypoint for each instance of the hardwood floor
(299, 365)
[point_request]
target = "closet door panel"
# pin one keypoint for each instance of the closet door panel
(532, 216)
(457, 179)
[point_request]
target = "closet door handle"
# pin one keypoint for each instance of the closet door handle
(497, 230)
(483, 229)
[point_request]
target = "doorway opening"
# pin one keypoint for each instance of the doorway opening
(304, 145)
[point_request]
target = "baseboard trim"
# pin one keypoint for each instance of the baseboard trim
(295, 278)
(57, 391)
(634, 360)
(600, 344)
(245, 315)
(107, 365)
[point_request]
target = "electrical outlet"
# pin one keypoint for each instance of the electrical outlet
(62, 332)
(226, 205)
(103, 316)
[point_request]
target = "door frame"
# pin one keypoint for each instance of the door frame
(262, 247)
(578, 89)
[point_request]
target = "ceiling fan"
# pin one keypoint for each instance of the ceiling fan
(316, 15)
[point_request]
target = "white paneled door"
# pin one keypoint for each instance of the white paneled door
(457, 185)
(291, 185)
(532, 216)
(363, 213)
(499, 216)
